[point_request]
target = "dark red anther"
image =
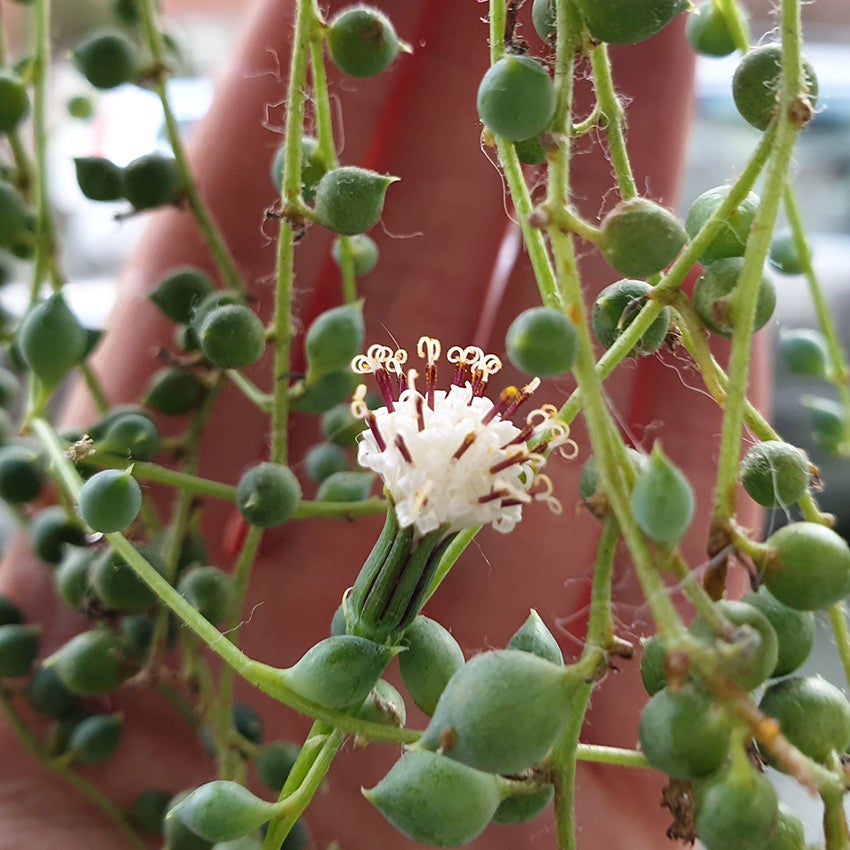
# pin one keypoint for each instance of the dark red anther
(372, 422)
(468, 440)
(403, 450)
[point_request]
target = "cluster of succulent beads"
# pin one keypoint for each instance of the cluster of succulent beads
(453, 458)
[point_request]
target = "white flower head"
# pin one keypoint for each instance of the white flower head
(454, 459)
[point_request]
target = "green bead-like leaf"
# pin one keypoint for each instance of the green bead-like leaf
(662, 499)
(222, 811)
(51, 340)
(339, 672)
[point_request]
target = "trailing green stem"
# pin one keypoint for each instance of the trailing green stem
(206, 223)
(841, 635)
(749, 282)
(305, 22)
(600, 640)
(614, 121)
(839, 372)
(298, 798)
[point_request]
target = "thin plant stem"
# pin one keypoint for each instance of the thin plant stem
(841, 635)
(839, 370)
(305, 22)
(758, 245)
(614, 121)
(600, 637)
(206, 222)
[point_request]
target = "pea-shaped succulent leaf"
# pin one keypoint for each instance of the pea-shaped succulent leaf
(524, 805)
(274, 762)
(787, 832)
(248, 722)
(829, 423)
(80, 106)
(501, 712)
(362, 41)
(209, 302)
(179, 293)
(232, 336)
(617, 306)
(51, 340)
(51, 530)
(14, 101)
(72, 575)
(542, 342)
(324, 393)
(755, 84)
(384, 705)
(516, 98)
(784, 256)
(9, 611)
(684, 733)
(435, 800)
(148, 810)
(807, 566)
(21, 474)
(652, 664)
(110, 500)
(340, 426)
(805, 352)
(268, 494)
(813, 714)
(178, 836)
(106, 59)
(90, 663)
(118, 587)
(589, 486)
(17, 222)
(211, 591)
(323, 460)
(339, 672)
(222, 811)
(795, 630)
(99, 178)
(96, 738)
(350, 200)
(662, 499)
(640, 237)
(48, 695)
(715, 297)
(433, 656)
(130, 435)
(736, 809)
(19, 644)
(152, 180)
(333, 339)
(313, 168)
(175, 392)
(628, 21)
(750, 656)
(543, 18)
(709, 32)
(533, 636)
(346, 486)
(530, 151)
(731, 239)
(775, 474)
(136, 636)
(363, 250)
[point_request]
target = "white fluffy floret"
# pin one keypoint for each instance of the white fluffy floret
(433, 487)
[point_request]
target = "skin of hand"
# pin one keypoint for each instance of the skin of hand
(443, 227)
